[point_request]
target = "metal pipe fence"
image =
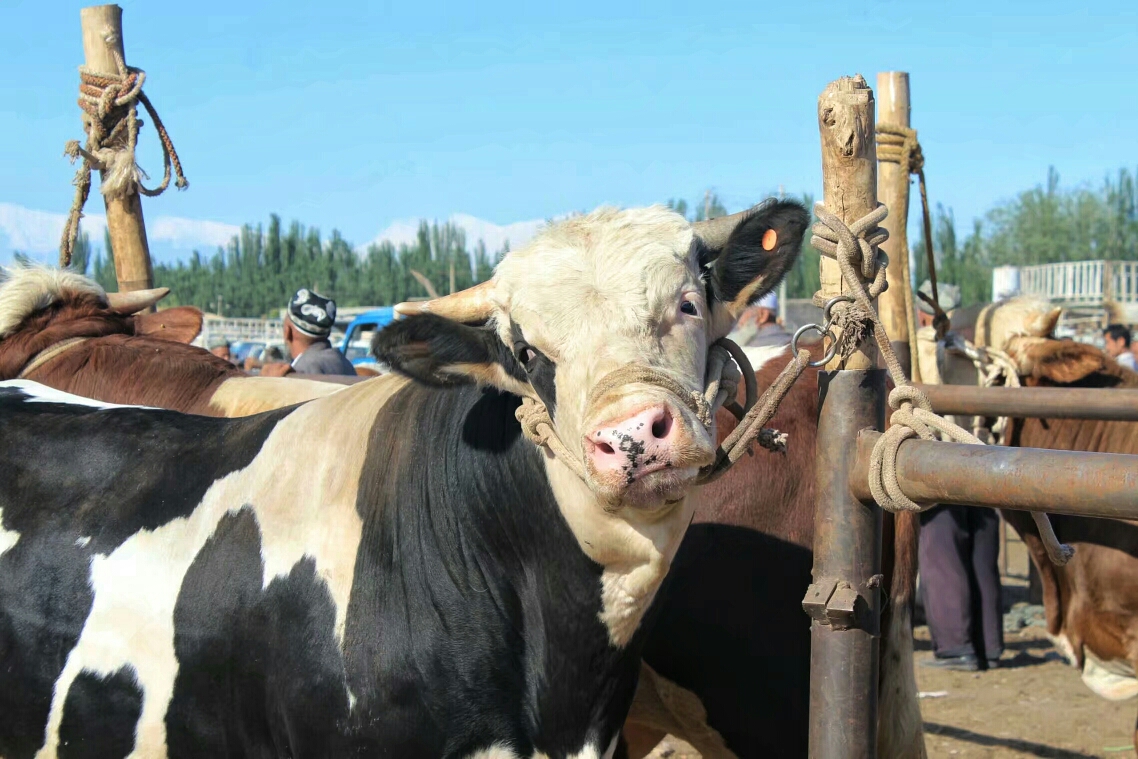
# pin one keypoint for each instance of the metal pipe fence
(1119, 405)
(1026, 479)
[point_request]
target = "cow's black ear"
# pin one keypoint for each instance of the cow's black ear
(757, 255)
(441, 352)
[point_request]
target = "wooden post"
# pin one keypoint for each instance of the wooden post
(895, 305)
(102, 35)
(844, 600)
(849, 177)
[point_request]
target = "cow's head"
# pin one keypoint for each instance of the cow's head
(1024, 318)
(593, 294)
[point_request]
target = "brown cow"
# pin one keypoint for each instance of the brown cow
(61, 329)
(1091, 604)
(727, 662)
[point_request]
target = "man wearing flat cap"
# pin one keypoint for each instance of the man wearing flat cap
(219, 347)
(759, 327)
(306, 328)
(948, 297)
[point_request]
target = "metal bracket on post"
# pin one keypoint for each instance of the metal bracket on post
(835, 602)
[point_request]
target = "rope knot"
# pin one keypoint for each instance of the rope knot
(110, 119)
(909, 395)
(912, 413)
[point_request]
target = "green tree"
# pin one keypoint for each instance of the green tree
(81, 253)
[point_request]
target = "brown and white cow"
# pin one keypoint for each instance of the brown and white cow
(61, 329)
(1091, 603)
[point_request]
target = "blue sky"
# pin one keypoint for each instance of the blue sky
(355, 115)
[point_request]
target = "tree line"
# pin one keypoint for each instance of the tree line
(1046, 224)
(260, 268)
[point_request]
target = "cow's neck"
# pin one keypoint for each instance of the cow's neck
(467, 550)
(634, 547)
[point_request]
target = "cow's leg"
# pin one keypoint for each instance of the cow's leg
(1048, 573)
(661, 707)
(900, 733)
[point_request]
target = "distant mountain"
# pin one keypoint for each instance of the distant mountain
(494, 235)
(171, 238)
(36, 233)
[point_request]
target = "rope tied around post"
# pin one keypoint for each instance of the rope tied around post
(727, 365)
(110, 119)
(912, 414)
(898, 144)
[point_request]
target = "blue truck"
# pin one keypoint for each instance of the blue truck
(356, 345)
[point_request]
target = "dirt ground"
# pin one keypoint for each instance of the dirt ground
(1035, 705)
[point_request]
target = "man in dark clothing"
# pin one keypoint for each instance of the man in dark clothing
(958, 558)
(960, 586)
(306, 329)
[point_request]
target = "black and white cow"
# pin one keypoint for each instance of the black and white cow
(393, 570)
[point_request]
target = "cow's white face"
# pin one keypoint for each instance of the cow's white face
(590, 295)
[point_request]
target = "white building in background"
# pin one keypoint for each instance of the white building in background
(1092, 293)
(1005, 282)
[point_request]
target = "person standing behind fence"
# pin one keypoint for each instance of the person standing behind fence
(306, 329)
(759, 327)
(958, 552)
(219, 347)
(1117, 339)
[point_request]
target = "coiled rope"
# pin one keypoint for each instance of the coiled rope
(110, 120)
(855, 250)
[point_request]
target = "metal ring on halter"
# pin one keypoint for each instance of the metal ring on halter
(827, 315)
(824, 332)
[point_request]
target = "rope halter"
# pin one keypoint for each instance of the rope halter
(722, 383)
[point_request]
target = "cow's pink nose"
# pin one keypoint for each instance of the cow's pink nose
(640, 444)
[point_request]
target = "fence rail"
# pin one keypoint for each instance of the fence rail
(1112, 404)
(1082, 282)
(259, 330)
(1028, 479)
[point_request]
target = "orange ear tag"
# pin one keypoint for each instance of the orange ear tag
(770, 239)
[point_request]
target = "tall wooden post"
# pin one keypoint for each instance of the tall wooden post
(849, 177)
(895, 304)
(844, 599)
(102, 35)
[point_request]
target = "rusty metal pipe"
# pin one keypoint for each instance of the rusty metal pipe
(844, 599)
(1108, 404)
(1026, 479)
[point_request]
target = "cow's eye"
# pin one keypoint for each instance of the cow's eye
(690, 308)
(525, 354)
